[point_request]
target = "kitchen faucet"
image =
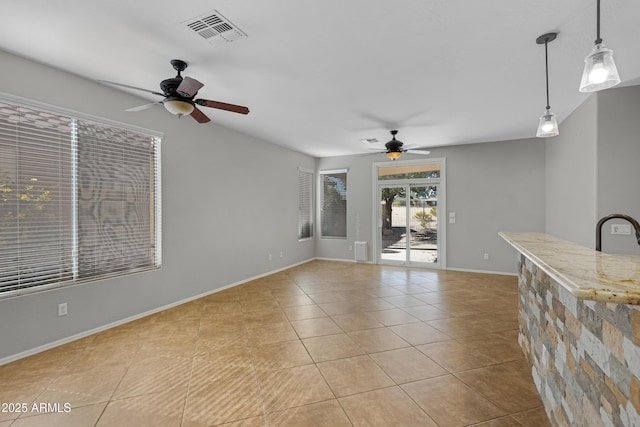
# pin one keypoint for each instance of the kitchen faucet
(612, 216)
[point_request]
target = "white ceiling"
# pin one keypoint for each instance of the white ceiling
(319, 76)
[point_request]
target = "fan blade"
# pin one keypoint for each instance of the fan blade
(371, 154)
(222, 106)
(199, 116)
(189, 87)
(423, 152)
(144, 107)
(129, 87)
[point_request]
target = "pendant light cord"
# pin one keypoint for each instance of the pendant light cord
(599, 39)
(546, 69)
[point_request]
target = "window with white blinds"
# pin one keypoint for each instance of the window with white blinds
(79, 199)
(333, 212)
(305, 204)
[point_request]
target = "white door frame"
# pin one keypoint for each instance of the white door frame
(442, 209)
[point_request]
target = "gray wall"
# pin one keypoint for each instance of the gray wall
(619, 163)
(228, 201)
(592, 170)
(492, 187)
(570, 184)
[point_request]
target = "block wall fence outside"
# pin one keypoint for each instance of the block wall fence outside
(584, 355)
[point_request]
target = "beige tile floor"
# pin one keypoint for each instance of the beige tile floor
(322, 344)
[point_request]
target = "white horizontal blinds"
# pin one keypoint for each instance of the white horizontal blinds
(333, 213)
(116, 206)
(156, 225)
(35, 198)
(305, 205)
(78, 200)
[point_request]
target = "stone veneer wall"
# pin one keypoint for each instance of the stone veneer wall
(584, 355)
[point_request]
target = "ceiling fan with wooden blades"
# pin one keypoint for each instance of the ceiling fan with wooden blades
(179, 93)
(395, 148)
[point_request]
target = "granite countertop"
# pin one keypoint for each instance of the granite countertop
(586, 273)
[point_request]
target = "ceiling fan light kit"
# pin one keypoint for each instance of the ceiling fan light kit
(178, 107)
(600, 71)
(548, 125)
(393, 155)
(179, 93)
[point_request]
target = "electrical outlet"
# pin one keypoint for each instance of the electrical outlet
(281, 254)
(621, 229)
(270, 257)
(486, 256)
(62, 309)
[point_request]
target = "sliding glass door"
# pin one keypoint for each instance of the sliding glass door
(408, 229)
(408, 224)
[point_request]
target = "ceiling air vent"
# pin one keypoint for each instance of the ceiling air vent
(214, 27)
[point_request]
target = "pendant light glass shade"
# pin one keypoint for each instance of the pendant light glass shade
(600, 70)
(548, 125)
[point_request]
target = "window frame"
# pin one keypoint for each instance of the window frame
(155, 199)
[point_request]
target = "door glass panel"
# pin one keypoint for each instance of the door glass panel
(423, 224)
(393, 224)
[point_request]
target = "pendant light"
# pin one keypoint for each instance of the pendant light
(548, 125)
(600, 70)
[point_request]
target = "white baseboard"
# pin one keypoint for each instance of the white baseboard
(468, 270)
(353, 261)
(53, 344)
(334, 259)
